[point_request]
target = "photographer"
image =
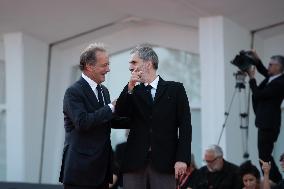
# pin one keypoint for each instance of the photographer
(267, 98)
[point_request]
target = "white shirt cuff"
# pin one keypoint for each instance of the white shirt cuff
(111, 107)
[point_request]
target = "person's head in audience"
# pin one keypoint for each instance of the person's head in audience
(250, 175)
(213, 158)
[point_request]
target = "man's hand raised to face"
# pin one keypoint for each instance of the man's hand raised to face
(135, 77)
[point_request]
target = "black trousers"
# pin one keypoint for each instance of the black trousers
(265, 143)
(103, 186)
(148, 178)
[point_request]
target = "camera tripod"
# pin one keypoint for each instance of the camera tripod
(243, 110)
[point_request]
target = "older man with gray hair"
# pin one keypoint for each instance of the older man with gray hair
(159, 142)
(88, 112)
(218, 173)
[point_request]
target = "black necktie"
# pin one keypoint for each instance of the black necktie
(148, 92)
(100, 96)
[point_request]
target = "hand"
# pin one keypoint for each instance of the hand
(266, 166)
(251, 72)
(266, 169)
(180, 169)
(135, 77)
(254, 54)
(114, 102)
(114, 180)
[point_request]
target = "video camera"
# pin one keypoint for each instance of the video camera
(244, 60)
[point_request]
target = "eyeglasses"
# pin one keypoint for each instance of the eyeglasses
(272, 64)
(210, 161)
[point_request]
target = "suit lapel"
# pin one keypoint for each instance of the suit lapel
(105, 95)
(141, 93)
(89, 92)
(162, 85)
(263, 83)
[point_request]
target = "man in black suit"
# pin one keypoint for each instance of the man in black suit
(267, 98)
(159, 142)
(86, 161)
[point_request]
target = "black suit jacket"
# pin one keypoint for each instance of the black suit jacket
(267, 99)
(87, 149)
(156, 125)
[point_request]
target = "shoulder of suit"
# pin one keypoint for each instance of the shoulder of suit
(104, 87)
(203, 169)
(75, 86)
(173, 83)
(230, 165)
(279, 79)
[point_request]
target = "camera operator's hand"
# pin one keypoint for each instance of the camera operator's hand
(254, 54)
(251, 72)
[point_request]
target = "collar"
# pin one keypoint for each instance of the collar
(92, 84)
(274, 77)
(154, 83)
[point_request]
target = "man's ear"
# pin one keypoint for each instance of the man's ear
(149, 64)
(89, 67)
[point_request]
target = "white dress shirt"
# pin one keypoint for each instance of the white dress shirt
(154, 85)
(93, 86)
(273, 77)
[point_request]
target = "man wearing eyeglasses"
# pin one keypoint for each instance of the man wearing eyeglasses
(218, 173)
(267, 98)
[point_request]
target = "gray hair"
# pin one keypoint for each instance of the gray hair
(217, 150)
(88, 56)
(280, 60)
(146, 53)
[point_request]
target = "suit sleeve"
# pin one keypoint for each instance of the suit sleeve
(123, 105)
(261, 68)
(272, 90)
(184, 125)
(74, 108)
(118, 122)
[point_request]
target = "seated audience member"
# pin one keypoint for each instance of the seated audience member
(250, 175)
(189, 179)
(266, 168)
(218, 173)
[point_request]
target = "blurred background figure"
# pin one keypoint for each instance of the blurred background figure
(218, 173)
(266, 182)
(267, 98)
